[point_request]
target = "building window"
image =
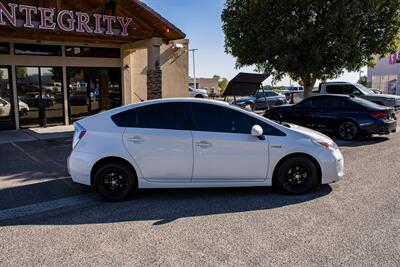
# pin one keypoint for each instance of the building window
(101, 52)
(4, 48)
(37, 50)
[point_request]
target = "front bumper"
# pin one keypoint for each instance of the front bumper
(380, 127)
(332, 166)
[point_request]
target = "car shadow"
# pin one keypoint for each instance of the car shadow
(362, 141)
(168, 205)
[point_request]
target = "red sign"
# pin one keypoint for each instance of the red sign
(64, 20)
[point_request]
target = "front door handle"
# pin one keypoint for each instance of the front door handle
(136, 139)
(204, 144)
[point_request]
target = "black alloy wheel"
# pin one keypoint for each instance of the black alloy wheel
(348, 130)
(297, 175)
(114, 181)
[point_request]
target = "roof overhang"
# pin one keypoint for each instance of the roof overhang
(144, 22)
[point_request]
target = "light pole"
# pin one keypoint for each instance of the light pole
(194, 67)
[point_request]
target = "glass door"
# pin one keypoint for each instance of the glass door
(92, 90)
(40, 96)
(6, 99)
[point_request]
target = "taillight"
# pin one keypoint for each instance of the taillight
(78, 134)
(379, 115)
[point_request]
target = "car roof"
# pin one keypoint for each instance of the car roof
(332, 95)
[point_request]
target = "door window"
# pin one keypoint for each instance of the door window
(171, 116)
(40, 96)
(213, 118)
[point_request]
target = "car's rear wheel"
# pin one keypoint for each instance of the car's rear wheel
(348, 130)
(296, 175)
(199, 96)
(249, 106)
(114, 181)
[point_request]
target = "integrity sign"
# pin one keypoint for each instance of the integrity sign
(65, 20)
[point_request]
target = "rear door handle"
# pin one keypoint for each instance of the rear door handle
(204, 144)
(136, 139)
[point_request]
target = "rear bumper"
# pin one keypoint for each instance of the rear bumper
(80, 165)
(380, 127)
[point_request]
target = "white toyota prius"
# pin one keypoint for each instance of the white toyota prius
(185, 142)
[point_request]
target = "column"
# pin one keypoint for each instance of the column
(154, 73)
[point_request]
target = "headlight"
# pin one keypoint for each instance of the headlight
(326, 145)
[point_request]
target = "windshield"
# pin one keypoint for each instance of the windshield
(364, 89)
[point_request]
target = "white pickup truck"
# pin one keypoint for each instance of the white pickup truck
(345, 88)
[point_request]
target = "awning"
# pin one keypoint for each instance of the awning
(245, 84)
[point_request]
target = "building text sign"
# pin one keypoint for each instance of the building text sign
(65, 20)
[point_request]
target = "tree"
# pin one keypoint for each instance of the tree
(310, 39)
(222, 82)
(363, 80)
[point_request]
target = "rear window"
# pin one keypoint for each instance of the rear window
(366, 103)
(172, 116)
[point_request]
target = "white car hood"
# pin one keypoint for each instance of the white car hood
(310, 133)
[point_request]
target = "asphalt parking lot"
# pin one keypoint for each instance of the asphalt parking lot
(45, 219)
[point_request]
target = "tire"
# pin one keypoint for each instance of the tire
(199, 96)
(279, 103)
(114, 181)
(296, 175)
(348, 130)
(250, 105)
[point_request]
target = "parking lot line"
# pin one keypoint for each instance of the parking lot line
(26, 153)
(41, 207)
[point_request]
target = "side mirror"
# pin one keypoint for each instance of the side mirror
(258, 132)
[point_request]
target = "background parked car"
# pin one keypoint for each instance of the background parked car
(376, 91)
(345, 88)
(347, 116)
(198, 93)
(5, 108)
(263, 99)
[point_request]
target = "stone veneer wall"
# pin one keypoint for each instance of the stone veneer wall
(154, 84)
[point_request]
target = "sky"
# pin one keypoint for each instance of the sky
(200, 20)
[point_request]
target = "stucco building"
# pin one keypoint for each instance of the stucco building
(385, 74)
(63, 60)
(209, 84)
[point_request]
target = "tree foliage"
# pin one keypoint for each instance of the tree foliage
(222, 82)
(310, 39)
(363, 80)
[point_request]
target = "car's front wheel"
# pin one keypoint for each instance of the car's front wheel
(114, 181)
(296, 175)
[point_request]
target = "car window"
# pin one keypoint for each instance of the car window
(213, 118)
(307, 103)
(334, 89)
(173, 116)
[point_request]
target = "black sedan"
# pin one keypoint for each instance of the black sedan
(345, 115)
